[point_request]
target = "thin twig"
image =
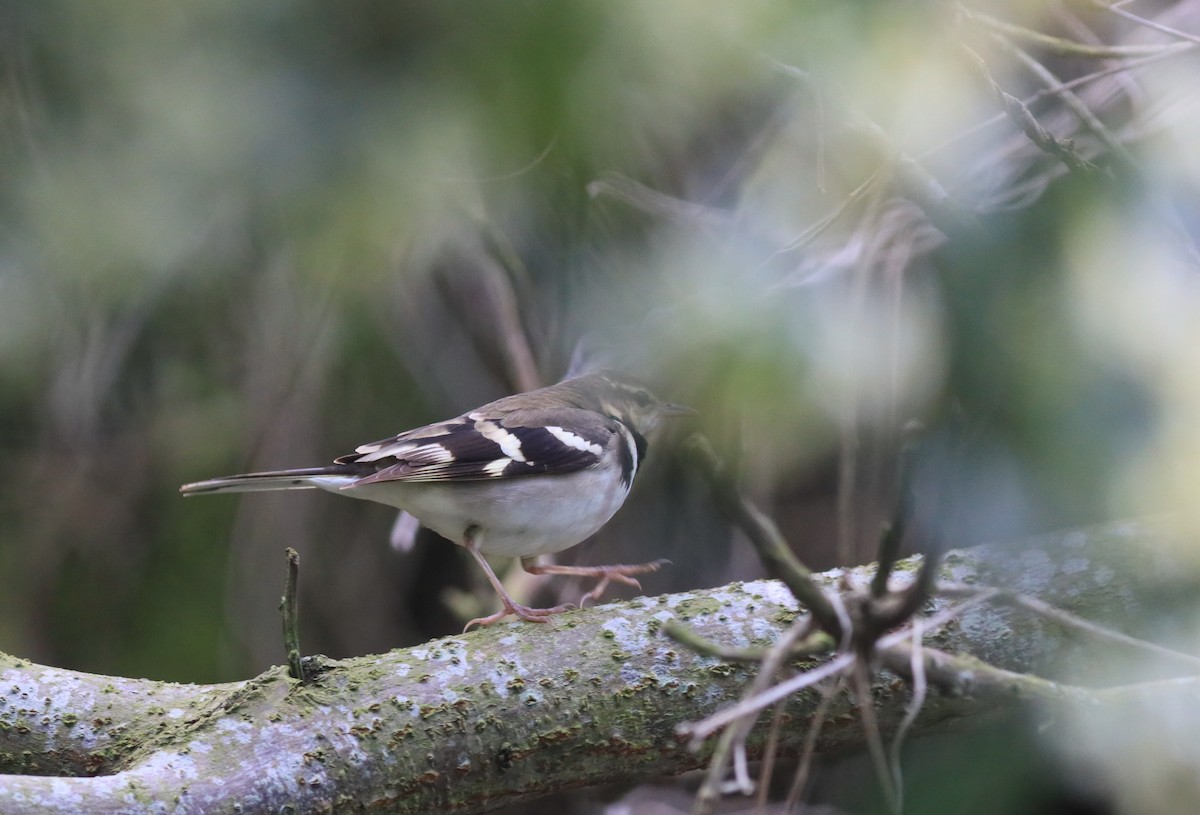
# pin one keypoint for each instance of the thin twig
(769, 754)
(894, 610)
(1045, 93)
(849, 437)
(741, 770)
(814, 230)
(957, 675)
(893, 534)
(1066, 619)
(1064, 47)
(762, 532)
(815, 643)
(912, 179)
(685, 636)
(866, 710)
(1071, 100)
(1026, 121)
(809, 751)
(1159, 27)
(843, 615)
(649, 200)
(711, 789)
(915, 704)
(289, 607)
(733, 740)
(1118, 150)
(701, 730)
(508, 290)
(706, 727)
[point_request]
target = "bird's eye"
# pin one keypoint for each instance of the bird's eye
(643, 398)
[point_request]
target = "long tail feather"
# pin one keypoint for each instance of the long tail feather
(308, 478)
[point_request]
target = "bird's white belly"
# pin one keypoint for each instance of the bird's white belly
(517, 517)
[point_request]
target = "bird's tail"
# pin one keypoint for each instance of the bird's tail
(333, 477)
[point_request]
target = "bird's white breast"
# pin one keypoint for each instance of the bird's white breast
(517, 517)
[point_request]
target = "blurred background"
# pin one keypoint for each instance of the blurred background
(239, 236)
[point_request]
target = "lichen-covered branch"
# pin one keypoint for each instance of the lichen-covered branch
(509, 713)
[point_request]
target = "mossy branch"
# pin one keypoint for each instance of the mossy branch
(516, 711)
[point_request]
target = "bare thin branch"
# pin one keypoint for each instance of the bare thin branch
(1069, 48)
(1153, 24)
(766, 538)
(809, 751)
(1068, 620)
(861, 678)
(1026, 121)
(919, 689)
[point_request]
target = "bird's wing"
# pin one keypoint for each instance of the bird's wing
(480, 446)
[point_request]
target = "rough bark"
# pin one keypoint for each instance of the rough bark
(467, 723)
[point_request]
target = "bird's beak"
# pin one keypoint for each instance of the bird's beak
(671, 411)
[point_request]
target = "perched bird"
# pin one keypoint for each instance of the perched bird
(526, 475)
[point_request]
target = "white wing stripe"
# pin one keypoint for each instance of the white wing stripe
(427, 453)
(509, 444)
(576, 441)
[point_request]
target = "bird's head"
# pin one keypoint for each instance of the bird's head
(626, 399)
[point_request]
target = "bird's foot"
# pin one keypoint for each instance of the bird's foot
(621, 573)
(529, 615)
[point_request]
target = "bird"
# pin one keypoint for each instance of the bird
(526, 475)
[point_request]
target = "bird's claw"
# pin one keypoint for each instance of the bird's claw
(621, 574)
(529, 615)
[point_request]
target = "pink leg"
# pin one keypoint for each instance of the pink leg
(532, 615)
(621, 573)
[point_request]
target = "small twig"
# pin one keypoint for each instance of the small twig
(649, 200)
(513, 287)
(861, 679)
(960, 675)
(688, 638)
(815, 229)
(1071, 100)
(912, 179)
(1159, 27)
(889, 553)
(1069, 48)
(967, 676)
(915, 704)
(942, 617)
(1066, 619)
(843, 615)
(1122, 154)
(893, 534)
(701, 730)
(809, 751)
(712, 787)
(848, 430)
(733, 740)
(289, 607)
(894, 610)
(741, 770)
(495, 285)
(815, 643)
(769, 754)
(1026, 121)
(762, 532)
(738, 720)
(706, 727)
(1029, 101)
(886, 611)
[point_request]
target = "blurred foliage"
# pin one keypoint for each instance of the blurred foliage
(240, 236)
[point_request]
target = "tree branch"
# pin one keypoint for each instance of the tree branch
(512, 712)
